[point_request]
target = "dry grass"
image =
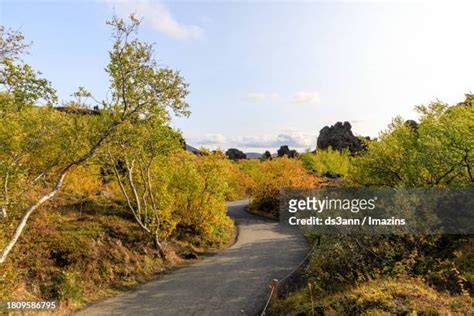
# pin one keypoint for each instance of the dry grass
(79, 251)
(403, 296)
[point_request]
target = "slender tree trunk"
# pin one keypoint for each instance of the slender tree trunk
(133, 187)
(141, 202)
(26, 215)
(21, 226)
(5, 196)
(161, 248)
(125, 194)
(144, 194)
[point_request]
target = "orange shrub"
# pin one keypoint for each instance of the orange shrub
(273, 175)
(240, 180)
(83, 181)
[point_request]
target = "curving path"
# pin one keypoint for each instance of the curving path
(233, 282)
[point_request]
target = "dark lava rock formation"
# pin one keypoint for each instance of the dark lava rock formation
(339, 137)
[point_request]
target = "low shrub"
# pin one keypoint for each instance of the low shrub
(198, 187)
(391, 296)
(327, 161)
(273, 175)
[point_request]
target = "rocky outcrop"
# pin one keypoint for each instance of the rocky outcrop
(285, 151)
(70, 109)
(411, 124)
(235, 154)
(267, 155)
(339, 137)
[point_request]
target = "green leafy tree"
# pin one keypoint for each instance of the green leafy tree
(11, 43)
(137, 147)
(20, 84)
(437, 152)
(139, 89)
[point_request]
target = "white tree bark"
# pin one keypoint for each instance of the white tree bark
(125, 194)
(26, 215)
(5, 196)
(140, 202)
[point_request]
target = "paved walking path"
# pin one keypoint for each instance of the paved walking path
(233, 282)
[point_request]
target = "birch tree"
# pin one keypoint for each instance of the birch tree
(139, 88)
(137, 149)
(436, 152)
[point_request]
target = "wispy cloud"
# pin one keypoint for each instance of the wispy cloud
(305, 97)
(261, 97)
(210, 140)
(296, 139)
(292, 138)
(159, 18)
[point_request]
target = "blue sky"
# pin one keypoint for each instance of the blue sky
(264, 74)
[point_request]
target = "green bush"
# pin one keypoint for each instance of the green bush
(430, 274)
(327, 161)
(436, 152)
(66, 286)
(197, 188)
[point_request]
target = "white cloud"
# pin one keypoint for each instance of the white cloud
(257, 141)
(292, 138)
(210, 140)
(260, 97)
(303, 97)
(159, 18)
(296, 139)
